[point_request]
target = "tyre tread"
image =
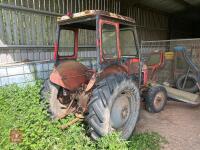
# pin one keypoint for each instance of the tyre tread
(98, 105)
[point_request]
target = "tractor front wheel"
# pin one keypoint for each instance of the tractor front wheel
(114, 106)
(156, 99)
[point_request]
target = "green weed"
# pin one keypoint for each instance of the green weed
(146, 141)
(21, 109)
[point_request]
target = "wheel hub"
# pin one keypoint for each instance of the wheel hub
(120, 111)
(159, 100)
(124, 112)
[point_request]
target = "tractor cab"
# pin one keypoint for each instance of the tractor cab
(115, 43)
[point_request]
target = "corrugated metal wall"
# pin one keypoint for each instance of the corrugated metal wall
(33, 22)
(27, 32)
(151, 25)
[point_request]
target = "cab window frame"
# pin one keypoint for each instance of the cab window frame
(118, 52)
(134, 40)
(74, 42)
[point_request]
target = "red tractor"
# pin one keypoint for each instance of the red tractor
(107, 93)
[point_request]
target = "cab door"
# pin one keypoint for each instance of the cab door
(129, 50)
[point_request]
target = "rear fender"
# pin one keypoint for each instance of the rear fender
(91, 83)
(113, 69)
(70, 75)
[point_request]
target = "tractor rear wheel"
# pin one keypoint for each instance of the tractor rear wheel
(114, 106)
(49, 94)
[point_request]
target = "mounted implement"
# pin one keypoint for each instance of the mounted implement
(187, 84)
(179, 74)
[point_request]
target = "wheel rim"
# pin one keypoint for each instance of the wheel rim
(159, 100)
(120, 110)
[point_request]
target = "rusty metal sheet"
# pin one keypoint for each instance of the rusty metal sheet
(70, 75)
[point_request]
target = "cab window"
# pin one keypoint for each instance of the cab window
(66, 42)
(127, 43)
(109, 41)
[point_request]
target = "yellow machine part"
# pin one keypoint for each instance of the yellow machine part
(169, 55)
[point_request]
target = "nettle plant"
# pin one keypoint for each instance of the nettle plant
(21, 109)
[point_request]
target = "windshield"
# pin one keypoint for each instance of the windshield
(66, 42)
(127, 43)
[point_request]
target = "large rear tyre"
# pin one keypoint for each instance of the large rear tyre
(156, 99)
(114, 106)
(49, 94)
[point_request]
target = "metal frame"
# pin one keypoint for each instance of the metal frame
(171, 71)
(103, 18)
(173, 40)
(56, 45)
(98, 68)
(39, 46)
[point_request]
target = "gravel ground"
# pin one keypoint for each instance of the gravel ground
(179, 123)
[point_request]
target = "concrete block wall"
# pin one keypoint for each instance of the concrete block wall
(23, 73)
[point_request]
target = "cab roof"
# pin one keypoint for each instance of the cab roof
(87, 18)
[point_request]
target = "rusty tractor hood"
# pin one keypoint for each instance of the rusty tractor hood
(70, 75)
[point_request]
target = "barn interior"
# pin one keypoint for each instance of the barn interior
(27, 30)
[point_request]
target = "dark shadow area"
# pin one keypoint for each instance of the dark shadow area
(185, 24)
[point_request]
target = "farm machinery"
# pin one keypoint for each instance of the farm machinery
(106, 92)
(178, 71)
(187, 85)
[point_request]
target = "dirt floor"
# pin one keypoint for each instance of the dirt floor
(179, 123)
